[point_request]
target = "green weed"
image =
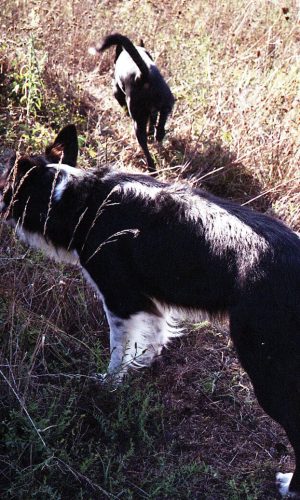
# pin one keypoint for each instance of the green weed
(27, 84)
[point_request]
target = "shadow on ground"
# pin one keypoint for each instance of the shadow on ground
(213, 166)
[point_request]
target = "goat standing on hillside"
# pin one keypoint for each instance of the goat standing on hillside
(139, 85)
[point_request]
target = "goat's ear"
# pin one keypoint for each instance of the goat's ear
(65, 147)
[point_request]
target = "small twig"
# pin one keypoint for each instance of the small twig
(110, 240)
(82, 477)
(271, 190)
(50, 200)
(103, 205)
(24, 409)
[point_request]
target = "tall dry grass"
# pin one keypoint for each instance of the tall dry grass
(234, 69)
(233, 66)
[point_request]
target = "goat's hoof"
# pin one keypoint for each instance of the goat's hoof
(283, 483)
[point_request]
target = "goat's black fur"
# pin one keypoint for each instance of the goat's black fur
(140, 87)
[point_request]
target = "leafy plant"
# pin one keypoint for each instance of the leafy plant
(27, 84)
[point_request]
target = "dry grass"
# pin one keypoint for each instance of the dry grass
(234, 68)
(190, 428)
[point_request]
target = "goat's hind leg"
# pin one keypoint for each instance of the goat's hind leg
(279, 396)
(160, 129)
(272, 361)
(152, 122)
(140, 125)
(289, 483)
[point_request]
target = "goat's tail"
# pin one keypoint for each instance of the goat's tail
(117, 39)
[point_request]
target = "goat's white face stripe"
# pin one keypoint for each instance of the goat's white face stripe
(60, 188)
(68, 172)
